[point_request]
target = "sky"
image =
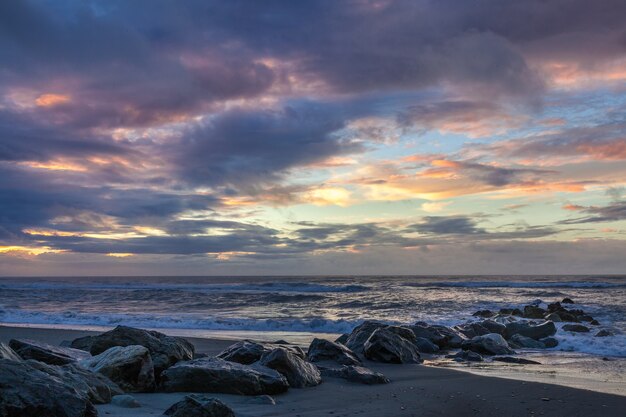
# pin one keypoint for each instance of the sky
(198, 137)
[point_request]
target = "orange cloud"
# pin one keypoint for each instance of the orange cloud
(572, 207)
(50, 100)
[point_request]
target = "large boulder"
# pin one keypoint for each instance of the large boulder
(221, 376)
(534, 312)
(490, 344)
(522, 342)
(43, 352)
(576, 328)
(425, 346)
(26, 391)
(247, 351)
(195, 405)
(453, 339)
(357, 374)
(529, 330)
(471, 330)
(299, 373)
(321, 350)
(95, 386)
(7, 353)
(494, 327)
(128, 366)
(164, 350)
(385, 345)
(359, 335)
(423, 330)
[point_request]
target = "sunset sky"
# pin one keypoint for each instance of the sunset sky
(324, 137)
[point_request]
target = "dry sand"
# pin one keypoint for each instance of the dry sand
(415, 390)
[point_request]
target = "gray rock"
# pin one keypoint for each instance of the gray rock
(567, 301)
(471, 330)
(43, 352)
(125, 401)
(554, 317)
(221, 376)
(484, 313)
(299, 373)
(342, 339)
(247, 351)
(549, 342)
(534, 312)
(604, 333)
(533, 331)
(425, 346)
(357, 374)
(511, 312)
(28, 392)
(385, 345)
(494, 327)
(523, 342)
(577, 328)
(521, 361)
(453, 339)
(325, 350)
(466, 355)
(199, 406)
(97, 387)
(423, 330)
(7, 353)
(130, 367)
(359, 335)
(164, 350)
(491, 344)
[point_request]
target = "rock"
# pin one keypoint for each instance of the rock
(577, 328)
(549, 342)
(554, 307)
(357, 374)
(385, 345)
(594, 322)
(221, 376)
(484, 313)
(28, 392)
(97, 387)
(128, 366)
(125, 401)
(567, 301)
(535, 332)
(521, 361)
(534, 312)
(471, 330)
(493, 327)
(7, 353)
(359, 335)
(299, 373)
(511, 311)
(423, 330)
(263, 399)
(425, 346)
(199, 406)
(554, 317)
(523, 342)
(491, 344)
(247, 351)
(453, 339)
(466, 355)
(164, 350)
(325, 350)
(604, 333)
(342, 339)
(43, 352)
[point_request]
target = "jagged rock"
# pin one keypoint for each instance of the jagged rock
(471, 330)
(577, 328)
(28, 392)
(324, 350)
(484, 313)
(359, 335)
(125, 401)
(454, 339)
(247, 351)
(534, 312)
(221, 376)
(342, 339)
(7, 353)
(425, 346)
(128, 366)
(604, 333)
(554, 317)
(523, 342)
(549, 342)
(43, 352)
(299, 373)
(97, 387)
(567, 301)
(535, 332)
(423, 330)
(491, 344)
(466, 355)
(199, 406)
(493, 326)
(521, 361)
(355, 374)
(385, 345)
(164, 350)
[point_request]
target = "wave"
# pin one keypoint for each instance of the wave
(509, 284)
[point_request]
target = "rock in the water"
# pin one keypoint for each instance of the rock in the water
(28, 392)
(554, 317)
(385, 345)
(195, 405)
(299, 373)
(43, 352)
(221, 376)
(604, 333)
(577, 328)
(359, 335)
(511, 311)
(97, 387)
(491, 344)
(164, 350)
(357, 374)
(521, 361)
(523, 342)
(549, 342)
(324, 350)
(493, 326)
(247, 351)
(535, 332)
(471, 330)
(466, 355)
(425, 346)
(484, 313)
(567, 300)
(7, 353)
(125, 401)
(534, 312)
(128, 366)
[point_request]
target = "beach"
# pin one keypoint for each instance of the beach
(414, 390)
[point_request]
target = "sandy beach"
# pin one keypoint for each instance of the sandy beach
(415, 390)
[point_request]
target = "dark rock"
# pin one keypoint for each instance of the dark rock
(585, 317)
(357, 374)
(491, 344)
(43, 352)
(425, 331)
(554, 307)
(484, 313)
(425, 346)
(7, 353)
(521, 361)
(385, 345)
(359, 335)
(130, 367)
(221, 376)
(342, 339)
(511, 311)
(247, 351)
(263, 399)
(549, 342)
(325, 350)
(466, 355)
(566, 315)
(567, 301)
(534, 312)
(493, 327)
(604, 333)
(28, 392)
(453, 339)
(535, 332)
(199, 406)
(594, 322)
(577, 328)
(164, 350)
(554, 317)
(522, 342)
(471, 330)
(125, 401)
(299, 373)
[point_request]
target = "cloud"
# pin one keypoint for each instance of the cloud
(613, 212)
